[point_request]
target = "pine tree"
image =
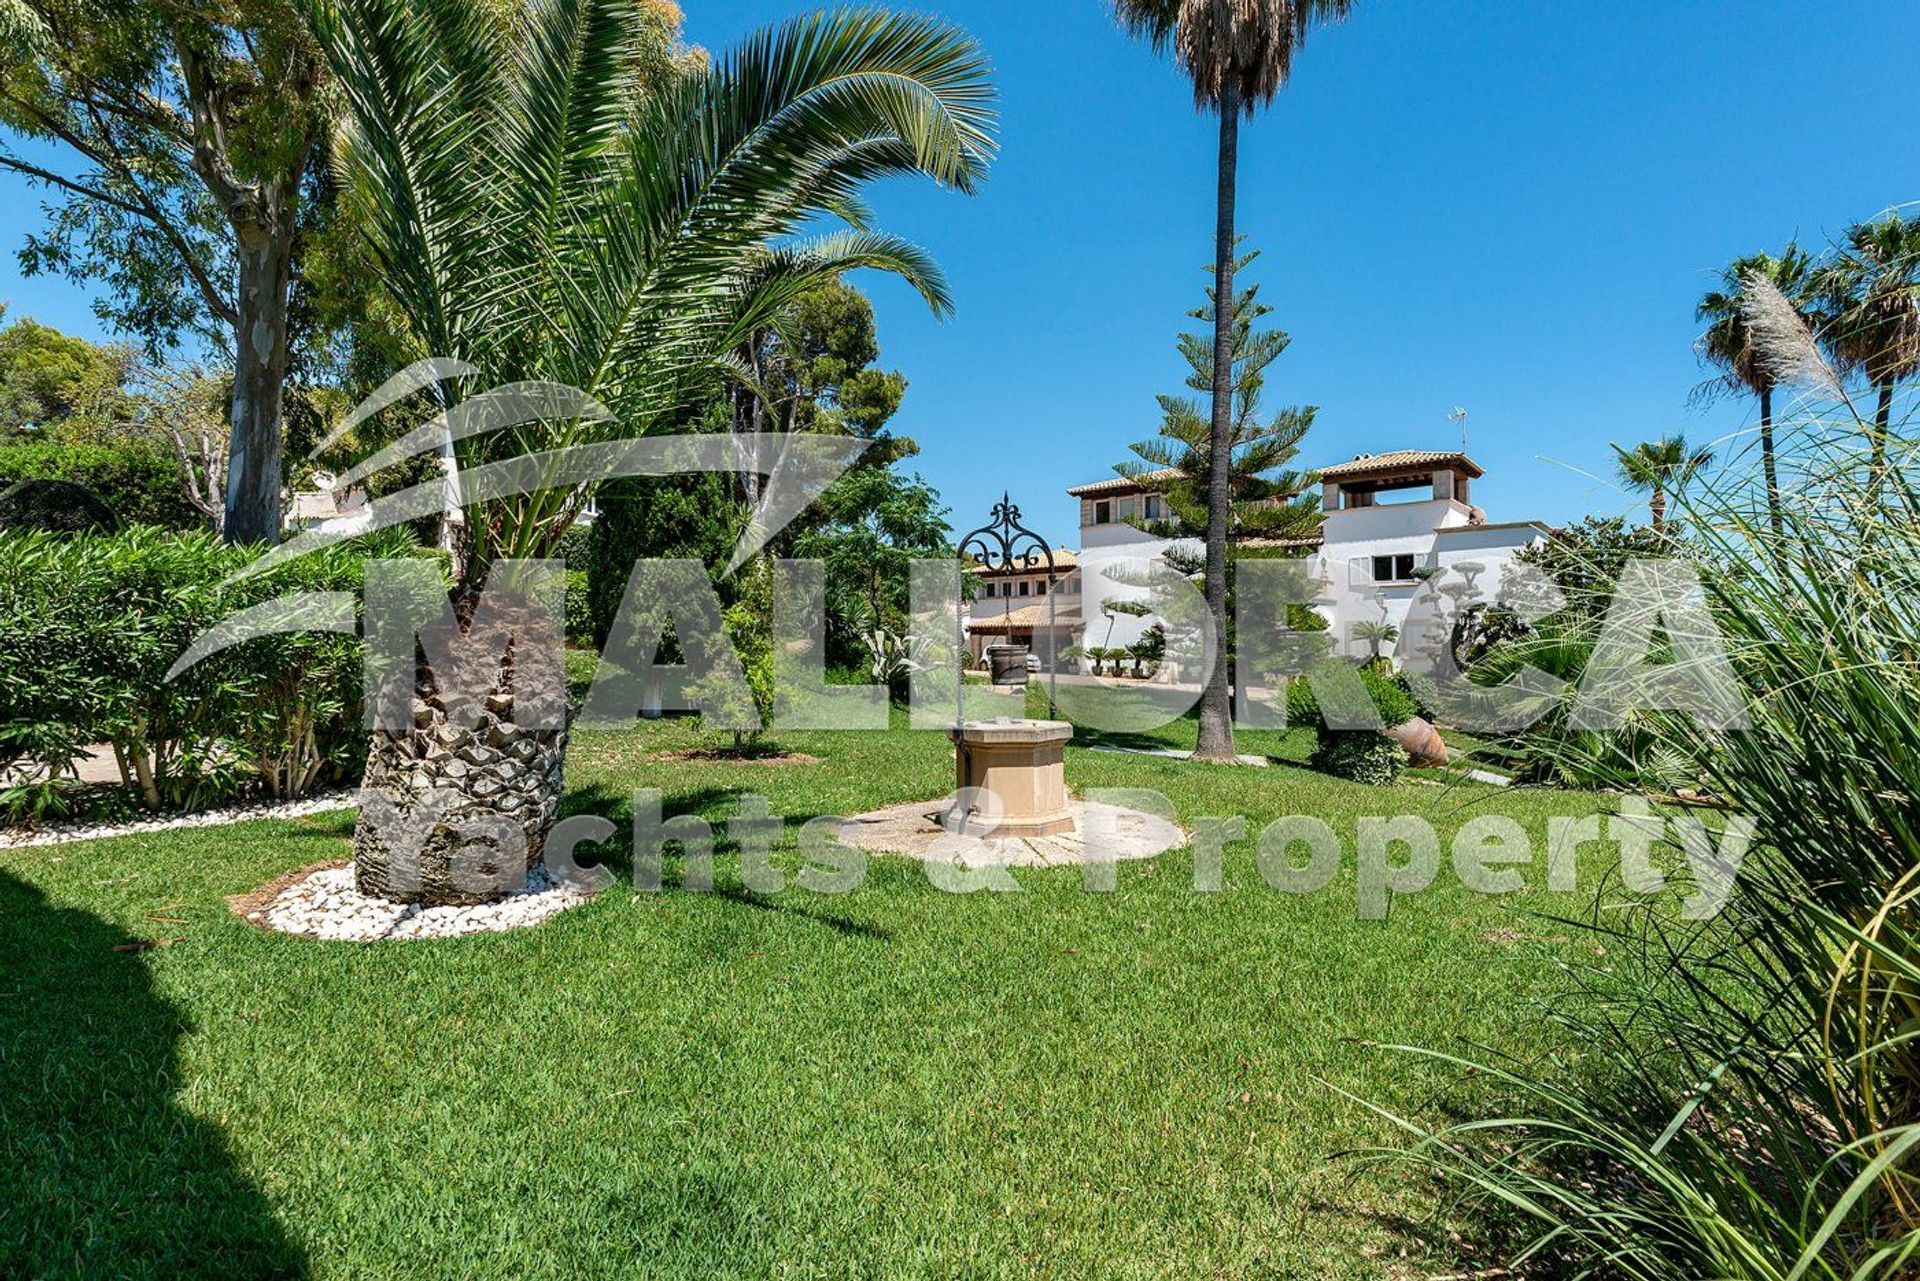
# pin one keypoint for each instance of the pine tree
(1271, 505)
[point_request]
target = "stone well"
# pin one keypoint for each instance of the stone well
(1022, 764)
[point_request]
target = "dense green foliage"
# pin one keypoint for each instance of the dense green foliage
(1584, 560)
(141, 485)
(1360, 755)
(48, 378)
(812, 371)
(669, 518)
(89, 627)
(56, 507)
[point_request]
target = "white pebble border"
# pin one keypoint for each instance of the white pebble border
(62, 833)
(325, 905)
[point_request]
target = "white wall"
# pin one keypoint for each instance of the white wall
(1437, 533)
(1109, 554)
(1353, 597)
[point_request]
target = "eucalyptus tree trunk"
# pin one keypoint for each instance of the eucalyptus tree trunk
(259, 380)
(1215, 740)
(263, 214)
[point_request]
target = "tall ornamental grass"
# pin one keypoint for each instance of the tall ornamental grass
(1740, 1098)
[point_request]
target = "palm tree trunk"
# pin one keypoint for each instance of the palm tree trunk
(458, 810)
(1882, 424)
(1768, 466)
(1215, 740)
(1658, 506)
(456, 814)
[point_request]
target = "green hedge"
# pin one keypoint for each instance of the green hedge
(89, 626)
(143, 486)
(1361, 756)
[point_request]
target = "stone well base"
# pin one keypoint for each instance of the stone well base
(1111, 831)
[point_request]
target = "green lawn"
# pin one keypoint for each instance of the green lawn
(893, 1082)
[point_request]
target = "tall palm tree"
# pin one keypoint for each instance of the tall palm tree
(1239, 55)
(1873, 292)
(1659, 468)
(534, 215)
(1729, 342)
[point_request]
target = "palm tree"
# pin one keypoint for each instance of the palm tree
(534, 214)
(1659, 468)
(1729, 342)
(1873, 294)
(1376, 635)
(1239, 54)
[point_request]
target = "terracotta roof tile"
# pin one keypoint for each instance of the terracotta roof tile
(1399, 460)
(1122, 484)
(1026, 616)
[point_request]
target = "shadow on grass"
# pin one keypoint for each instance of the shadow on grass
(101, 1173)
(832, 920)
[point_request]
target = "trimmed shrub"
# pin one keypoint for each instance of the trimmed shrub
(1363, 755)
(55, 507)
(579, 608)
(141, 486)
(90, 625)
(576, 548)
(1359, 756)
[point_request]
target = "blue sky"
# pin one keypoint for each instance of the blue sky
(1507, 205)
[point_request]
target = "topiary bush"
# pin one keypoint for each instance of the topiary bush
(54, 507)
(1359, 755)
(89, 627)
(139, 484)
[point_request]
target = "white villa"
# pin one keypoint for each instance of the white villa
(1012, 606)
(1392, 520)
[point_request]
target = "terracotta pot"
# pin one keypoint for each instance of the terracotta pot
(1420, 741)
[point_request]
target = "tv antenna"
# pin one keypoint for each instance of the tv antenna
(1459, 415)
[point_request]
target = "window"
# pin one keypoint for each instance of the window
(1153, 507)
(1393, 569)
(1040, 587)
(1026, 587)
(1103, 513)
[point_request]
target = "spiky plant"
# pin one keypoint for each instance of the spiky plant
(1239, 55)
(1376, 635)
(541, 214)
(1741, 1096)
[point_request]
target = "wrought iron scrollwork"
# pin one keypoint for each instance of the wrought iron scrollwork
(1004, 545)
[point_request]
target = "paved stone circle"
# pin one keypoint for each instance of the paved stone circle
(324, 904)
(914, 830)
